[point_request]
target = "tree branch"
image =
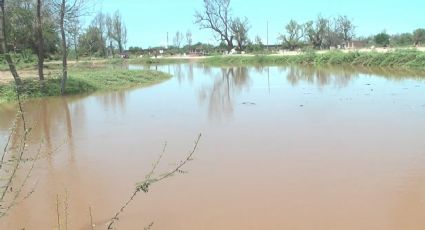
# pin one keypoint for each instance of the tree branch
(145, 185)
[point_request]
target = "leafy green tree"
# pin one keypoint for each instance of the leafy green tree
(317, 31)
(257, 46)
(382, 39)
(240, 28)
(404, 39)
(419, 36)
(19, 23)
(135, 50)
(51, 38)
(99, 22)
(294, 34)
(4, 50)
(91, 42)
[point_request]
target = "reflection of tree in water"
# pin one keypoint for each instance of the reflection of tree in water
(114, 100)
(177, 72)
(182, 71)
(47, 120)
(319, 76)
(43, 116)
(342, 75)
(190, 73)
(220, 97)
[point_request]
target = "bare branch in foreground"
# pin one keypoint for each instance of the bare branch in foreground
(145, 185)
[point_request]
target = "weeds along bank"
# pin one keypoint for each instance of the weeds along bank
(85, 80)
(399, 58)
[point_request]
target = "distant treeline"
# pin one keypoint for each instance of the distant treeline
(106, 35)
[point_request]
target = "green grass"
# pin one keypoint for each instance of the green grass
(19, 65)
(395, 59)
(85, 81)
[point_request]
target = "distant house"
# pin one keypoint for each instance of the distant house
(125, 55)
(198, 51)
(355, 44)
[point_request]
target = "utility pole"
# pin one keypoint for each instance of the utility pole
(167, 42)
(267, 36)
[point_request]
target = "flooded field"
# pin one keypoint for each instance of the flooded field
(282, 148)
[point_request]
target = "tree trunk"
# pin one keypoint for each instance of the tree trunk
(120, 46)
(64, 48)
(40, 42)
(76, 48)
(4, 50)
(111, 47)
(104, 47)
(229, 45)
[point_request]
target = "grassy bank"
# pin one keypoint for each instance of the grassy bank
(32, 65)
(396, 59)
(84, 81)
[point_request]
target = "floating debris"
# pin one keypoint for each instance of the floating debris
(248, 103)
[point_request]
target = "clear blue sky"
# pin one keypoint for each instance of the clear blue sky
(148, 21)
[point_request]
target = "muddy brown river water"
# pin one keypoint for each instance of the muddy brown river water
(282, 148)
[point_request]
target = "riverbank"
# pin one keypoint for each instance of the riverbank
(84, 80)
(396, 59)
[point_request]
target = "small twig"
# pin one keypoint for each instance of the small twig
(91, 219)
(149, 227)
(21, 150)
(57, 211)
(66, 209)
(144, 186)
(155, 165)
(31, 191)
(177, 169)
(14, 202)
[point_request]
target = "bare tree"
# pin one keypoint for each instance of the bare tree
(67, 11)
(4, 50)
(178, 38)
(74, 29)
(216, 16)
(40, 40)
(109, 34)
(189, 38)
(63, 10)
(240, 28)
(294, 34)
(117, 30)
(419, 36)
(100, 23)
(345, 28)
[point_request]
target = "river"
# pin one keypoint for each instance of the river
(282, 148)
